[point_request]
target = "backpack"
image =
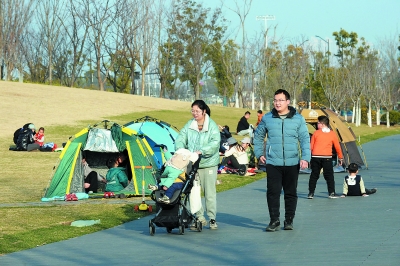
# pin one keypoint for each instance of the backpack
(18, 131)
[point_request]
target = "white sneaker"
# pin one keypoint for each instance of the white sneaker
(164, 199)
(152, 187)
(213, 224)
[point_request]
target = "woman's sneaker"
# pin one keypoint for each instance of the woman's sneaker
(213, 224)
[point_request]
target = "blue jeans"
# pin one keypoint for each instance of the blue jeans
(174, 187)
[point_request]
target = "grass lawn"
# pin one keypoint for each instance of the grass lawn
(24, 221)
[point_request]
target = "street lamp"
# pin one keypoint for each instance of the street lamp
(327, 42)
(265, 18)
(302, 43)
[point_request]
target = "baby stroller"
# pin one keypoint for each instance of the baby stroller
(176, 213)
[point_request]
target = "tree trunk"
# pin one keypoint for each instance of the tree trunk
(369, 114)
(378, 115)
(143, 81)
(387, 118)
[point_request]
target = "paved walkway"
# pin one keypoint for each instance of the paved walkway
(349, 231)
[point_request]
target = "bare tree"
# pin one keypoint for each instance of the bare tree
(389, 76)
(192, 30)
(296, 66)
(99, 16)
(14, 16)
(331, 80)
(242, 11)
(130, 22)
(75, 33)
(48, 16)
(145, 39)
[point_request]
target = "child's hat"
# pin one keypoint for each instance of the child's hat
(32, 126)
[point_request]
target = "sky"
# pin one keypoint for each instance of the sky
(300, 20)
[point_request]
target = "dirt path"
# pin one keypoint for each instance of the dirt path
(50, 105)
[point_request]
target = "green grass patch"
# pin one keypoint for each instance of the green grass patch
(37, 226)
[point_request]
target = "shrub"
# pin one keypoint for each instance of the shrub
(394, 117)
(364, 115)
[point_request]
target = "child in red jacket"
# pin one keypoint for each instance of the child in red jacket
(39, 137)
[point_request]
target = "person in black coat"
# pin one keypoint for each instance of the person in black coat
(225, 135)
(26, 139)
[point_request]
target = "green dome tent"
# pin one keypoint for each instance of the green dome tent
(97, 145)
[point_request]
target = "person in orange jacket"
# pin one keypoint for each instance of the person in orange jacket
(259, 116)
(321, 156)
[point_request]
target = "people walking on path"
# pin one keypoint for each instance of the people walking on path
(322, 142)
(201, 135)
(287, 150)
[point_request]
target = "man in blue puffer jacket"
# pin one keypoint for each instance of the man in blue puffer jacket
(287, 149)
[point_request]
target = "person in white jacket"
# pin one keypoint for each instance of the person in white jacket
(235, 157)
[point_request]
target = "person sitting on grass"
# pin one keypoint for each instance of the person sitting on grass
(174, 175)
(116, 176)
(235, 157)
(250, 152)
(353, 184)
(26, 139)
(39, 137)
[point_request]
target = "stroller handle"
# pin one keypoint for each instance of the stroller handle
(196, 164)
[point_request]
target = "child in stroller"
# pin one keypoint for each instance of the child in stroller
(174, 174)
(173, 211)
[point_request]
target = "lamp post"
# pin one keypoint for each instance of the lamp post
(265, 18)
(302, 43)
(327, 42)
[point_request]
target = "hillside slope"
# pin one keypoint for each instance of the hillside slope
(47, 105)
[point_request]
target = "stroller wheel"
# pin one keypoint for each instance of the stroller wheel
(199, 226)
(152, 228)
(181, 229)
(169, 230)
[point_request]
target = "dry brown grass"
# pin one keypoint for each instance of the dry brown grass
(51, 105)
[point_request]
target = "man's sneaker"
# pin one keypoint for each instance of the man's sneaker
(333, 195)
(213, 224)
(164, 199)
(310, 196)
(288, 224)
(193, 225)
(152, 187)
(273, 226)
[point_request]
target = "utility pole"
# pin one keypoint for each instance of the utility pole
(265, 18)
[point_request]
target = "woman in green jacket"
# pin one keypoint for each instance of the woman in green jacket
(201, 135)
